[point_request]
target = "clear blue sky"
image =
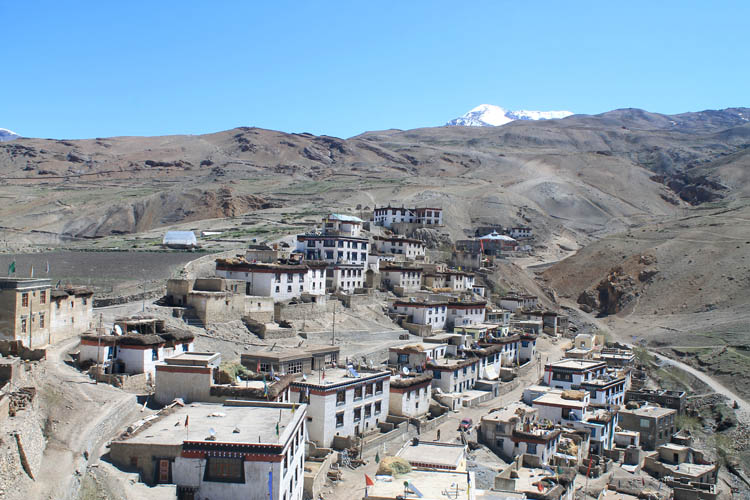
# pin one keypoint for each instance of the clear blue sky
(87, 69)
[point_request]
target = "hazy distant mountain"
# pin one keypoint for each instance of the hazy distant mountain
(488, 115)
(7, 135)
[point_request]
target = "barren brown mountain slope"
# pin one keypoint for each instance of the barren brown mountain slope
(681, 284)
(589, 174)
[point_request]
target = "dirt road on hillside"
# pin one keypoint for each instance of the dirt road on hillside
(83, 416)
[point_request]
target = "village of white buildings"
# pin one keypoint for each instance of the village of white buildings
(462, 369)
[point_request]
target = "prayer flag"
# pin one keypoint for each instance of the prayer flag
(369, 481)
(12, 267)
(187, 417)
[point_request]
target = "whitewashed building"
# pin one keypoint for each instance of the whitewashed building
(452, 279)
(454, 375)
(279, 281)
(408, 247)
(572, 373)
(465, 313)
(256, 462)
(347, 277)
(434, 314)
(559, 408)
(515, 430)
(520, 233)
(406, 277)
(387, 216)
(410, 396)
(415, 356)
(343, 402)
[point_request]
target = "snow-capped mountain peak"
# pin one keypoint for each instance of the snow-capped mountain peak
(489, 115)
(7, 135)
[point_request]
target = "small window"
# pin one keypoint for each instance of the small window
(379, 387)
(340, 419)
(357, 414)
(228, 470)
(41, 320)
(340, 397)
(358, 393)
(154, 354)
(23, 325)
(43, 297)
(24, 300)
(377, 407)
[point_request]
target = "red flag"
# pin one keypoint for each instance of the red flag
(481, 246)
(589, 468)
(324, 373)
(369, 481)
(186, 420)
(257, 368)
(539, 485)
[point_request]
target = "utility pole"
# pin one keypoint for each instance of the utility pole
(333, 326)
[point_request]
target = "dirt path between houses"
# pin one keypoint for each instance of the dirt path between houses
(82, 417)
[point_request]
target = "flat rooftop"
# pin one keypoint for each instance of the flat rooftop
(341, 375)
(650, 411)
(513, 410)
(554, 398)
(576, 364)
(284, 353)
(194, 358)
(528, 478)
(445, 454)
(256, 424)
(432, 484)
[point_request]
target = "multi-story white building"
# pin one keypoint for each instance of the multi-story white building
(607, 391)
(502, 352)
(454, 375)
(520, 233)
(410, 396)
(387, 216)
(515, 302)
(279, 281)
(572, 373)
(465, 313)
(233, 451)
(408, 247)
(423, 312)
(559, 407)
(415, 356)
(452, 279)
(347, 277)
(338, 243)
(515, 430)
(527, 347)
(395, 275)
(343, 402)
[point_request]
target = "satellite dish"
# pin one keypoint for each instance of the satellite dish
(118, 330)
(405, 370)
(212, 432)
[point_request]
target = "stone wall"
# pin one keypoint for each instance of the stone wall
(314, 482)
(419, 330)
(17, 349)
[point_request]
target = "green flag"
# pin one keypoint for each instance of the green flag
(12, 267)
(377, 457)
(277, 428)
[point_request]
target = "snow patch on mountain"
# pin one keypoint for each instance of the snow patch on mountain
(7, 135)
(488, 115)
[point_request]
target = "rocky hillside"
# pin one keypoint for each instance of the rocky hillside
(583, 174)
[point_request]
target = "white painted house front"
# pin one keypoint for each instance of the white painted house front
(279, 281)
(408, 278)
(343, 402)
(410, 396)
(387, 216)
(465, 313)
(409, 248)
(242, 465)
(423, 313)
